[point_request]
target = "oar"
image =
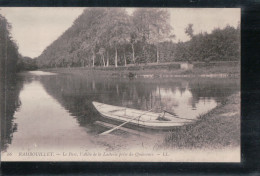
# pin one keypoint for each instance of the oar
(109, 131)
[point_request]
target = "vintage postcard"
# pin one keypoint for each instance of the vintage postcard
(120, 84)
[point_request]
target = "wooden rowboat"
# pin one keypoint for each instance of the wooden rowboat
(141, 118)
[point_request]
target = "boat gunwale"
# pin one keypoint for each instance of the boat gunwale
(156, 124)
(161, 127)
(152, 121)
(154, 114)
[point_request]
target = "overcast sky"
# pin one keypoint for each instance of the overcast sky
(36, 28)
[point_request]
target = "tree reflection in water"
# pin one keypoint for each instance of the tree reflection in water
(185, 97)
(13, 86)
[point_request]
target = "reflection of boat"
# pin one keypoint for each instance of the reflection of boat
(141, 118)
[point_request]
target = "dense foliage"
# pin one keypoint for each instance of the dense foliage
(8, 49)
(11, 60)
(110, 36)
(26, 63)
(220, 45)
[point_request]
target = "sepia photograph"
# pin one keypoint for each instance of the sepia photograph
(120, 84)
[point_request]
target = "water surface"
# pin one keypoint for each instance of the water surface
(48, 111)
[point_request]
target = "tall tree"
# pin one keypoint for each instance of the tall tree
(189, 30)
(152, 26)
(115, 26)
(133, 41)
(101, 52)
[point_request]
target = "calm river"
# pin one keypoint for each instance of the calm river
(48, 111)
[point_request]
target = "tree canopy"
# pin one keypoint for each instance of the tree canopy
(11, 60)
(108, 36)
(220, 45)
(112, 37)
(8, 48)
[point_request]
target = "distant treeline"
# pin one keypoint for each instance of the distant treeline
(11, 60)
(26, 63)
(110, 36)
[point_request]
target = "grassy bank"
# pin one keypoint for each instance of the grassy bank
(218, 128)
(221, 69)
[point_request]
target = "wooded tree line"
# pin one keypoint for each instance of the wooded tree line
(219, 45)
(26, 63)
(8, 48)
(11, 60)
(110, 36)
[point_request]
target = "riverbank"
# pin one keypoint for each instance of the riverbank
(219, 69)
(217, 129)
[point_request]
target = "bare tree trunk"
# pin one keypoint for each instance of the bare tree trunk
(157, 54)
(103, 59)
(133, 49)
(82, 63)
(117, 89)
(107, 59)
(93, 59)
(115, 57)
(124, 58)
